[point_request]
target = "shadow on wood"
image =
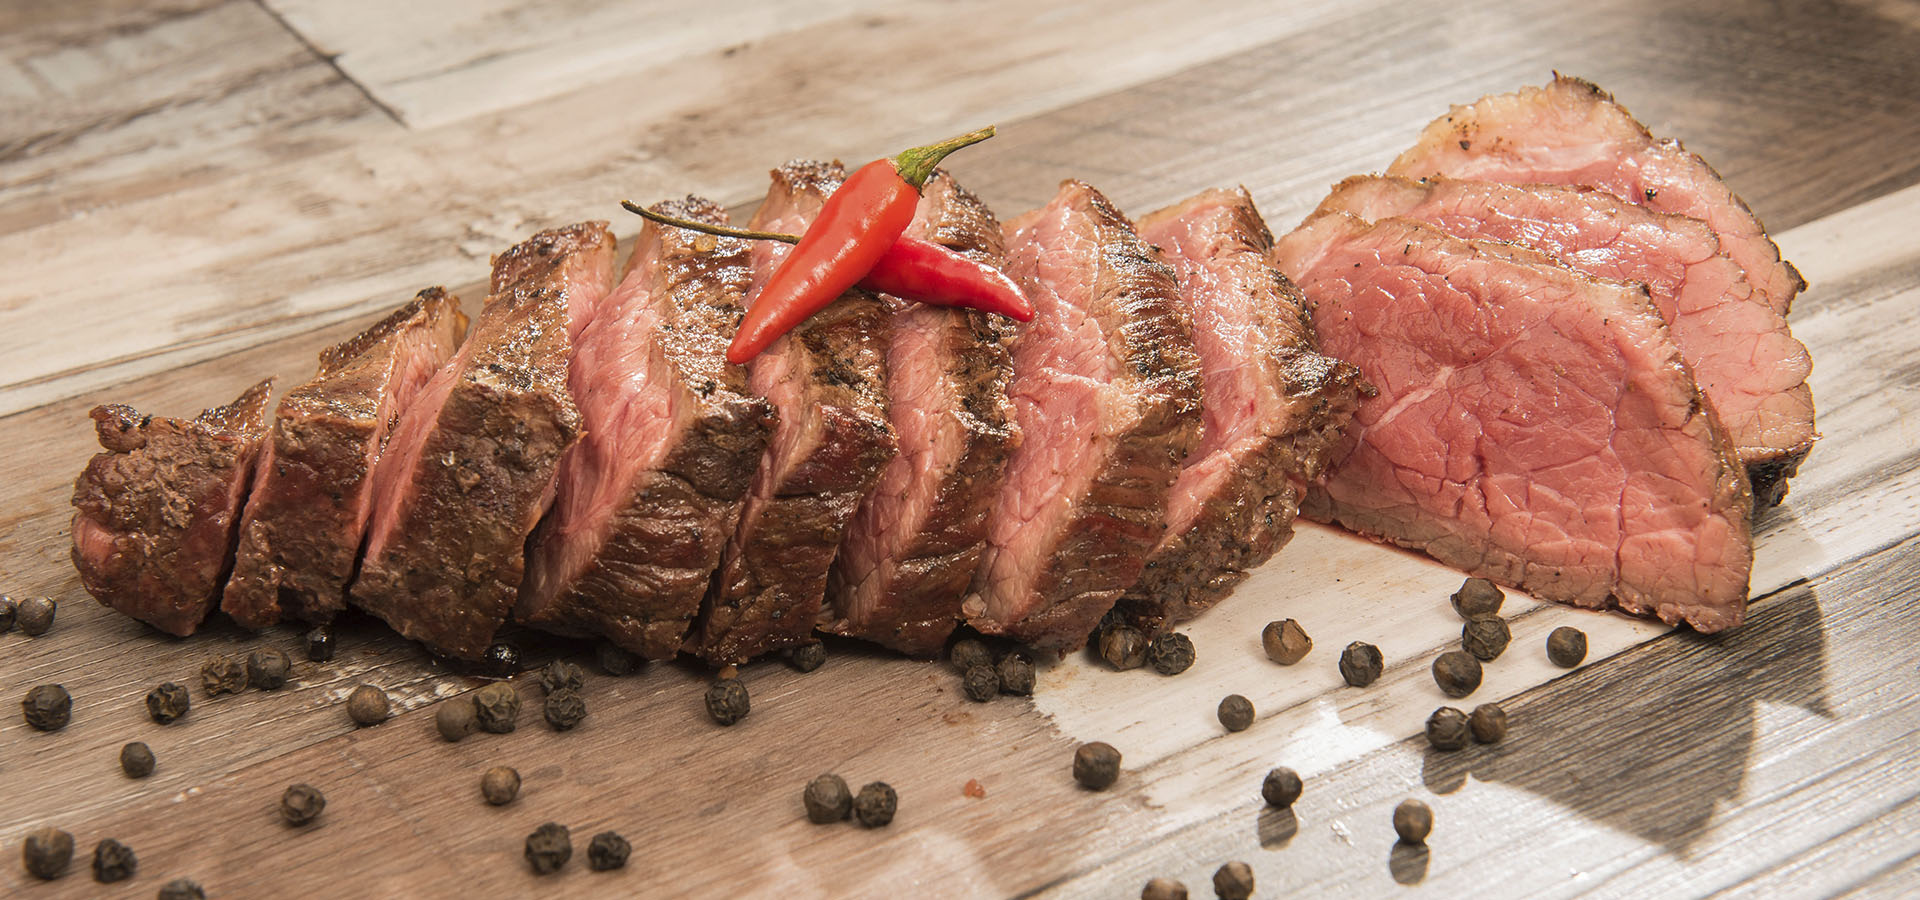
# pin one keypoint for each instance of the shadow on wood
(1408, 862)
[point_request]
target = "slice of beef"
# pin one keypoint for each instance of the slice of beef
(649, 495)
(1740, 350)
(155, 515)
(1534, 425)
(1106, 390)
(911, 550)
(827, 381)
(470, 468)
(1274, 408)
(308, 511)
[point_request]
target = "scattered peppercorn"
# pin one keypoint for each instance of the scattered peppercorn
(502, 660)
(1489, 723)
(368, 705)
(1485, 637)
(500, 785)
(562, 675)
(223, 675)
(1233, 881)
(268, 669)
(727, 701)
(564, 709)
(615, 660)
(981, 683)
(548, 848)
(827, 799)
(136, 759)
(1236, 712)
(1281, 787)
(1413, 821)
(1457, 673)
(454, 718)
(1567, 646)
(1123, 647)
(168, 702)
(1285, 642)
(113, 861)
(48, 707)
(1163, 889)
(320, 643)
(8, 611)
(1016, 674)
(34, 615)
(1477, 597)
(967, 653)
(875, 804)
(1096, 765)
(46, 853)
(1360, 664)
(807, 657)
(182, 889)
(496, 707)
(1447, 729)
(302, 803)
(608, 851)
(1170, 653)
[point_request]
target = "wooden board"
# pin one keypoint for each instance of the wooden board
(201, 193)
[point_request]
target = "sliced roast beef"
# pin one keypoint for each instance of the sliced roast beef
(827, 381)
(649, 495)
(911, 550)
(470, 467)
(1739, 348)
(155, 515)
(308, 511)
(1106, 391)
(1533, 425)
(1274, 408)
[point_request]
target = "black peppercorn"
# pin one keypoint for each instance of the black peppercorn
(827, 799)
(967, 653)
(320, 643)
(1485, 637)
(46, 853)
(727, 701)
(807, 657)
(1281, 787)
(502, 660)
(1413, 821)
(1016, 674)
(562, 675)
(1447, 729)
(1285, 642)
(454, 718)
(1163, 889)
(1233, 881)
(1360, 664)
(548, 848)
(34, 615)
(113, 861)
(8, 611)
(302, 803)
(47, 707)
(223, 675)
(1477, 597)
(1123, 647)
(874, 805)
(1457, 673)
(500, 785)
(168, 702)
(981, 683)
(268, 669)
(368, 705)
(1567, 646)
(564, 709)
(1170, 653)
(1236, 712)
(614, 660)
(181, 889)
(136, 759)
(1096, 765)
(1489, 723)
(496, 707)
(608, 851)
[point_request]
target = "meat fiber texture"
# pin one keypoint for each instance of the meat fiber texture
(912, 548)
(1107, 393)
(827, 380)
(311, 500)
(648, 497)
(156, 514)
(470, 468)
(1572, 132)
(1274, 408)
(1534, 425)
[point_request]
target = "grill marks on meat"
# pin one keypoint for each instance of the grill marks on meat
(911, 550)
(1745, 359)
(649, 495)
(1106, 392)
(1533, 425)
(156, 514)
(313, 495)
(1274, 408)
(827, 381)
(470, 468)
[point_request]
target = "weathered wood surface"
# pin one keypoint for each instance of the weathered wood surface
(195, 197)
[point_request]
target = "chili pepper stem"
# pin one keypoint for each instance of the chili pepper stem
(706, 228)
(916, 165)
